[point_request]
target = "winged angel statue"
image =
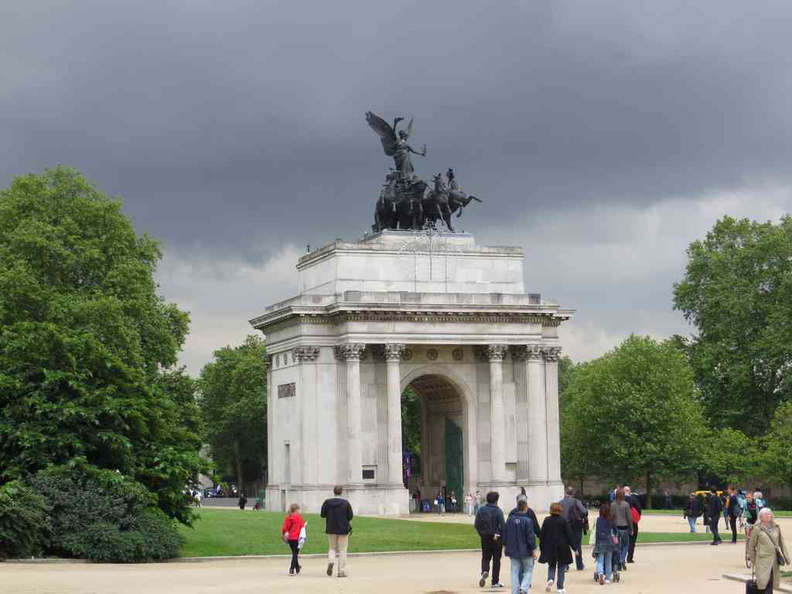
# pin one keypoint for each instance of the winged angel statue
(406, 201)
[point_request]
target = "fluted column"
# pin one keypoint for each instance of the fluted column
(393, 353)
(537, 416)
(495, 353)
(520, 357)
(308, 461)
(551, 355)
(272, 477)
(351, 354)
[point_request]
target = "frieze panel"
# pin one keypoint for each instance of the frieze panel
(287, 390)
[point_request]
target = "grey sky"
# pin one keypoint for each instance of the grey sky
(603, 136)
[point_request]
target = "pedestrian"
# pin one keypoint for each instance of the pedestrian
(242, 501)
(692, 511)
(477, 503)
(667, 497)
(555, 544)
(440, 502)
(714, 508)
(469, 503)
(623, 519)
(198, 498)
(576, 515)
(751, 513)
(767, 551)
(338, 514)
(489, 524)
(531, 513)
(520, 544)
(612, 494)
(734, 512)
(292, 526)
(452, 500)
(605, 543)
(635, 510)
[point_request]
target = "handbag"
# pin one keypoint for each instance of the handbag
(782, 560)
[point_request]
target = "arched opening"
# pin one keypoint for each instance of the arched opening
(433, 422)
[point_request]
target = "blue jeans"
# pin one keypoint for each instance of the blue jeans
(521, 573)
(604, 562)
(551, 574)
(692, 522)
(624, 545)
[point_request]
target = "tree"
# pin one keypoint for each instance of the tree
(777, 458)
(411, 421)
(731, 456)
(633, 413)
(737, 291)
(87, 345)
(233, 402)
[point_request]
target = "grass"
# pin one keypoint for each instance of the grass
(232, 532)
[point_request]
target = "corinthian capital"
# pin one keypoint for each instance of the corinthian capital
(551, 353)
(351, 351)
(493, 352)
(305, 353)
(394, 352)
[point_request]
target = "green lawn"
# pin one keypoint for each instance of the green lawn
(234, 532)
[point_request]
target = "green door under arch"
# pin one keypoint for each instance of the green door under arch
(453, 459)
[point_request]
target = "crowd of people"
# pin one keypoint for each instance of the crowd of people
(558, 541)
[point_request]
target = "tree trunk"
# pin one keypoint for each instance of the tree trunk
(648, 490)
(238, 461)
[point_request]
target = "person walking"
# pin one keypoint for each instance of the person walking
(623, 519)
(635, 510)
(734, 512)
(242, 501)
(489, 524)
(667, 498)
(692, 511)
(469, 504)
(576, 515)
(292, 525)
(520, 546)
(714, 507)
(556, 546)
(531, 513)
(604, 545)
(767, 550)
(338, 515)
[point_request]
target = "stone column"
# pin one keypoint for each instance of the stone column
(495, 353)
(520, 357)
(307, 463)
(393, 353)
(351, 354)
(272, 478)
(537, 416)
(551, 355)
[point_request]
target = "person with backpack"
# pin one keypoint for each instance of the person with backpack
(338, 514)
(293, 525)
(735, 511)
(714, 508)
(635, 510)
(520, 545)
(531, 513)
(692, 511)
(576, 515)
(489, 524)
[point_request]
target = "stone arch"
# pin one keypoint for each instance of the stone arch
(469, 433)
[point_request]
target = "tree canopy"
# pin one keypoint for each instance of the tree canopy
(87, 346)
(233, 400)
(632, 413)
(737, 292)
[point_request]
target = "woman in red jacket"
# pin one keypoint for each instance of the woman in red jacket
(292, 525)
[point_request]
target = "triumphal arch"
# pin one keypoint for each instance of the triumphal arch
(425, 310)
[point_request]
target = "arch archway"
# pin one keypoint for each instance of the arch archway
(446, 458)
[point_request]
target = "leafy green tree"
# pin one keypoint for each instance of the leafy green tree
(731, 455)
(411, 421)
(777, 457)
(633, 413)
(233, 402)
(87, 344)
(737, 291)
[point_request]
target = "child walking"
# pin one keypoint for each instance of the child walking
(292, 525)
(604, 544)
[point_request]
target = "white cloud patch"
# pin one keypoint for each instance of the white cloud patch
(222, 295)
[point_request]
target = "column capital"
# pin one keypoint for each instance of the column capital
(491, 352)
(527, 352)
(394, 352)
(351, 351)
(551, 353)
(305, 353)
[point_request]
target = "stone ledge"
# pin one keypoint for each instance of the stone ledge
(740, 577)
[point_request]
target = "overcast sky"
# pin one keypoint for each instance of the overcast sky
(603, 136)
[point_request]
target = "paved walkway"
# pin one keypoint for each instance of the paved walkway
(658, 569)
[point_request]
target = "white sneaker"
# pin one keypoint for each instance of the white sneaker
(562, 591)
(549, 585)
(607, 581)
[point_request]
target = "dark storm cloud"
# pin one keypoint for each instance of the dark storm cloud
(222, 123)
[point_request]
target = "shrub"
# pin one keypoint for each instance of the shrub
(103, 516)
(23, 521)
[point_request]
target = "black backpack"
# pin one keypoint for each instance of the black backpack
(486, 522)
(576, 518)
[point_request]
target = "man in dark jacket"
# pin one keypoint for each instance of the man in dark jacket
(734, 512)
(520, 544)
(692, 511)
(337, 513)
(531, 514)
(489, 524)
(714, 508)
(576, 515)
(634, 505)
